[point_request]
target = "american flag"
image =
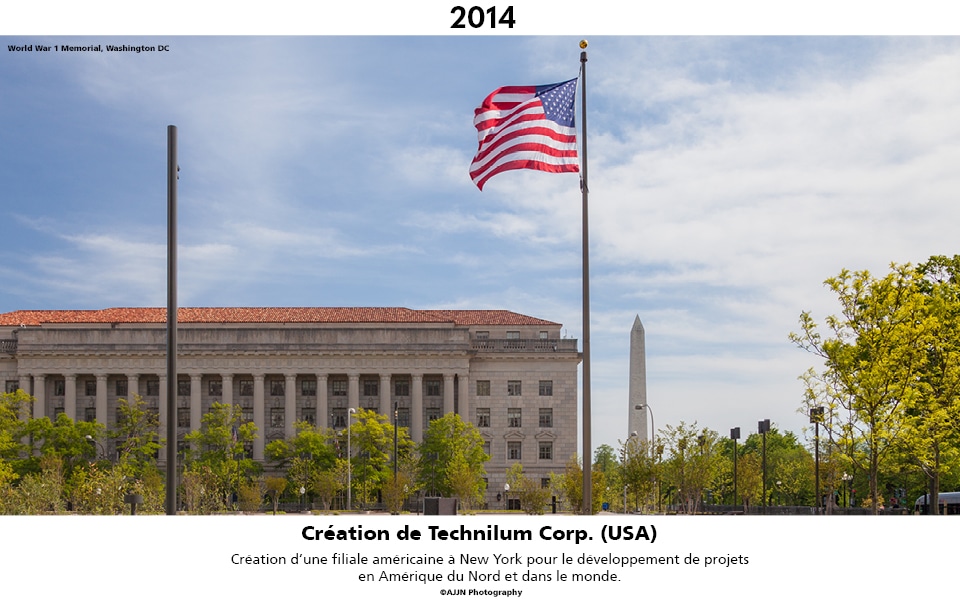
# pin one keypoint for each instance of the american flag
(526, 127)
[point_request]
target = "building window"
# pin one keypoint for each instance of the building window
(183, 387)
(486, 449)
(401, 387)
(433, 413)
(544, 482)
(276, 417)
(57, 411)
(246, 387)
(338, 387)
(309, 415)
(90, 387)
(59, 385)
(403, 417)
(371, 387)
(90, 414)
(514, 451)
(513, 335)
(513, 417)
(546, 417)
(513, 388)
(433, 387)
(183, 417)
(215, 387)
(12, 386)
(308, 387)
(338, 418)
(276, 387)
(546, 387)
(483, 387)
(546, 451)
(120, 387)
(153, 387)
(246, 414)
(483, 417)
(544, 335)
(482, 335)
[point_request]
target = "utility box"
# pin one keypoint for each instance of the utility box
(439, 506)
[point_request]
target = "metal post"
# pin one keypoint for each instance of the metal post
(172, 169)
(587, 451)
(735, 435)
(816, 415)
(349, 461)
(763, 427)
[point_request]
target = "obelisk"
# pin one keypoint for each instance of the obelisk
(637, 416)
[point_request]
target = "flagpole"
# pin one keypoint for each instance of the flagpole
(587, 507)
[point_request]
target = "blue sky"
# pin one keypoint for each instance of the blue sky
(729, 177)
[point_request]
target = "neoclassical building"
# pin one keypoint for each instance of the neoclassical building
(511, 375)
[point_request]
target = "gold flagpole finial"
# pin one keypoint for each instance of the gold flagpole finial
(583, 44)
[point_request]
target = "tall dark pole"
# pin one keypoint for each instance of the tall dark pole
(587, 450)
(763, 428)
(396, 413)
(735, 435)
(172, 168)
(816, 415)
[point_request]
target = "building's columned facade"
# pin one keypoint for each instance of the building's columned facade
(510, 375)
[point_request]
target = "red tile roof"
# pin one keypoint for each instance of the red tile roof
(271, 315)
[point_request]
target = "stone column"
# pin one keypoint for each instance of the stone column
(101, 402)
(258, 416)
(226, 390)
(289, 404)
(463, 397)
(447, 393)
(133, 387)
(323, 414)
(353, 391)
(196, 401)
(386, 405)
(40, 396)
(162, 405)
(25, 381)
(70, 396)
(416, 410)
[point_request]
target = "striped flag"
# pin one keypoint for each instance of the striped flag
(526, 127)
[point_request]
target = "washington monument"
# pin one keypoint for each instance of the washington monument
(637, 415)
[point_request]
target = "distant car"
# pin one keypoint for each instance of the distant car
(949, 503)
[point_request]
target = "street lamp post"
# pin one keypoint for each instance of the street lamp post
(816, 416)
(350, 413)
(653, 448)
(735, 435)
(847, 478)
(396, 413)
(93, 440)
(762, 428)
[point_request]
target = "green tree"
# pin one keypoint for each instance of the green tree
(372, 437)
(788, 462)
(638, 472)
(304, 455)
(217, 463)
(532, 495)
(931, 427)
(874, 355)
(275, 487)
(136, 434)
(569, 485)
(693, 465)
(452, 459)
